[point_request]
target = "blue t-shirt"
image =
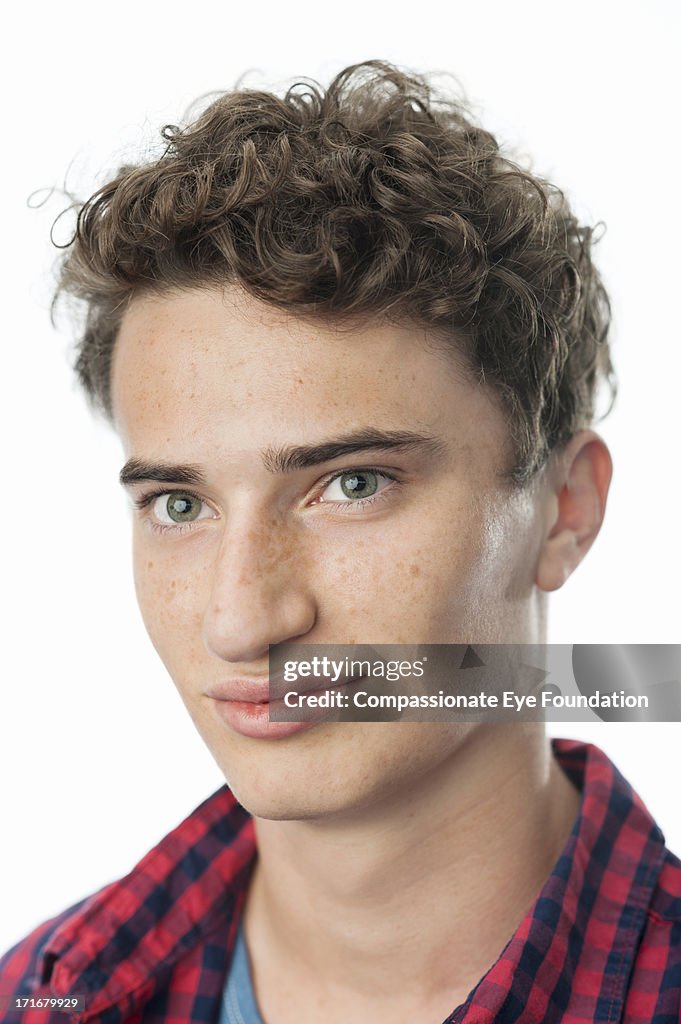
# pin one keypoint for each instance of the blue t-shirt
(238, 1004)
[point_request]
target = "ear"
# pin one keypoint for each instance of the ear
(578, 481)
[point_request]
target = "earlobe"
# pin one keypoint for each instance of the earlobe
(558, 561)
(579, 483)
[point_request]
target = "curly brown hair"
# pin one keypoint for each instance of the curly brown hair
(377, 197)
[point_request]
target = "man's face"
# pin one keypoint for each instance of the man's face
(410, 540)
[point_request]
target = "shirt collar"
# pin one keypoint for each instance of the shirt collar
(122, 944)
(576, 945)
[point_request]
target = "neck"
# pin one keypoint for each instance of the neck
(424, 888)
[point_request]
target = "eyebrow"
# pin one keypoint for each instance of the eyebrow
(136, 470)
(293, 457)
(289, 458)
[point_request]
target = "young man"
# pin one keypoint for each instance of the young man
(352, 353)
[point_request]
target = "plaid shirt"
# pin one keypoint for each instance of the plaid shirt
(601, 942)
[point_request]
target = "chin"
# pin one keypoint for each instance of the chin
(273, 802)
(299, 789)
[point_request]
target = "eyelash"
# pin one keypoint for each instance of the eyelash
(145, 500)
(360, 503)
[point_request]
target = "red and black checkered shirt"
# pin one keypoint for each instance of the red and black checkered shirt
(601, 942)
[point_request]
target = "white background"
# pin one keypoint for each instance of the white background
(98, 758)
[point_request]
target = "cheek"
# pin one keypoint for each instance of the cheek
(457, 574)
(503, 572)
(412, 581)
(170, 602)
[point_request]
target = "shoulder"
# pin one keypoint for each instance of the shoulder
(159, 920)
(22, 954)
(23, 965)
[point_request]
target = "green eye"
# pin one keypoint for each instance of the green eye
(181, 507)
(349, 488)
(359, 484)
(172, 511)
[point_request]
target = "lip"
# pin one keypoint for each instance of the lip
(252, 719)
(244, 705)
(242, 691)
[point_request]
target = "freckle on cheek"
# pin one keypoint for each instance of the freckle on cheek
(150, 565)
(414, 569)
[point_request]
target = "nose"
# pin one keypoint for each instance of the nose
(261, 594)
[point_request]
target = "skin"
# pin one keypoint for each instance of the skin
(396, 859)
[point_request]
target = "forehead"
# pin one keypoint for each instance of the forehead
(206, 366)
